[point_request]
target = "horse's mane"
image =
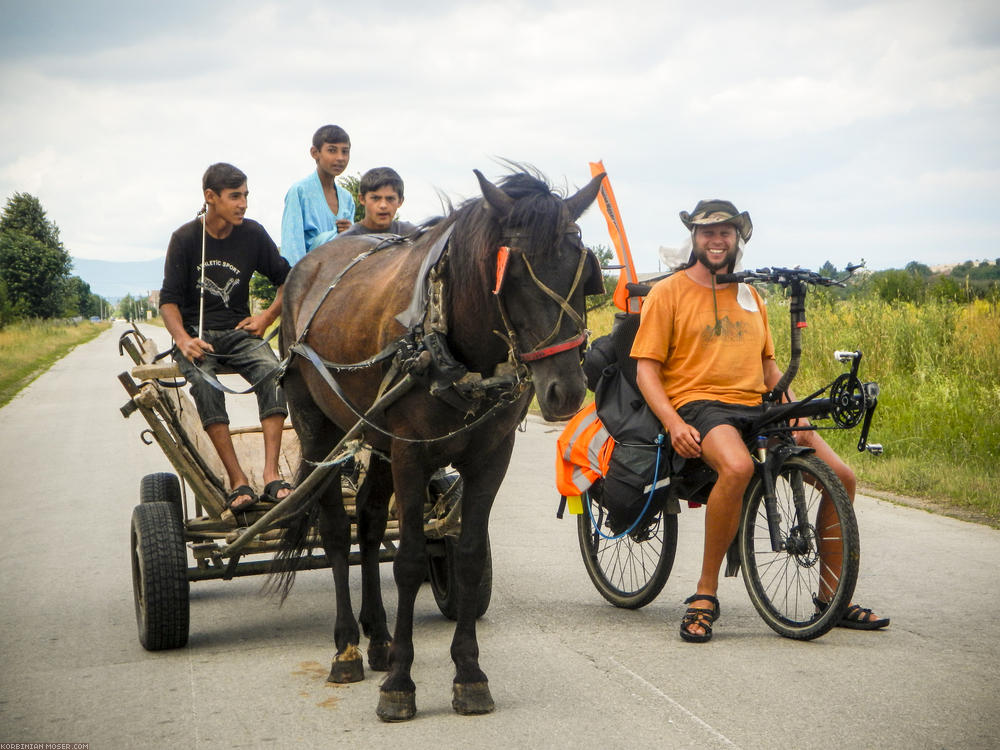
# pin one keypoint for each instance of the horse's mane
(536, 214)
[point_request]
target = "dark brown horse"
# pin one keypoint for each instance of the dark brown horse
(505, 309)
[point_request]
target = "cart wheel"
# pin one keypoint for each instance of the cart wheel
(159, 576)
(162, 487)
(441, 571)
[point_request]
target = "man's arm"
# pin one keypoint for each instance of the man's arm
(191, 347)
(258, 324)
(683, 437)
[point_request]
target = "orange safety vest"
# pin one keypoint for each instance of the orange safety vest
(584, 452)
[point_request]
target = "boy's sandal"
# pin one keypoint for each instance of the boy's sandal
(701, 617)
(856, 617)
(239, 492)
(271, 490)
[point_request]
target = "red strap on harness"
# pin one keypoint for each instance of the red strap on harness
(555, 348)
(503, 255)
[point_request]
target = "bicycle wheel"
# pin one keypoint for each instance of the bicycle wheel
(631, 571)
(819, 554)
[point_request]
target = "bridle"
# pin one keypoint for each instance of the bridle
(544, 348)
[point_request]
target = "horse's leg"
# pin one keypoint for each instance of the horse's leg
(317, 436)
(372, 509)
(481, 480)
(410, 475)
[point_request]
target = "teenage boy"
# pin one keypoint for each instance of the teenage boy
(205, 305)
(381, 194)
(317, 209)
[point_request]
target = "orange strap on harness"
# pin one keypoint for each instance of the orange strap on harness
(503, 255)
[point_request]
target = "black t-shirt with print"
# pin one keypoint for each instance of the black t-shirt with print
(229, 265)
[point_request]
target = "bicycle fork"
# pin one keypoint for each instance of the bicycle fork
(767, 463)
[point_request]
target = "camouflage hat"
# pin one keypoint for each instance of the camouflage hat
(717, 211)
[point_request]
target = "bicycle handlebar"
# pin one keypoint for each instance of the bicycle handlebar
(785, 276)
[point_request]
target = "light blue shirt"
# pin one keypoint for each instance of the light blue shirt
(308, 221)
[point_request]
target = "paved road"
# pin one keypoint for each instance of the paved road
(566, 669)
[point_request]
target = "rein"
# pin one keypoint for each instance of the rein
(543, 349)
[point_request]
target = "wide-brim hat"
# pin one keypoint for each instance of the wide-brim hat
(717, 211)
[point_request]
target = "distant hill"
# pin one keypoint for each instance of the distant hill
(113, 279)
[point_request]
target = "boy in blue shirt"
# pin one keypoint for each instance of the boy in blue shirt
(317, 209)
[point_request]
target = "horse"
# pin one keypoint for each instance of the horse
(495, 292)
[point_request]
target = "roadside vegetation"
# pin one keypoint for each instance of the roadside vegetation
(29, 347)
(932, 343)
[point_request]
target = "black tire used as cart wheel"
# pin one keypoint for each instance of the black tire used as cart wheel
(629, 571)
(441, 568)
(159, 576)
(162, 487)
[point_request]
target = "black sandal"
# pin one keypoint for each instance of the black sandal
(855, 617)
(701, 617)
(271, 490)
(238, 492)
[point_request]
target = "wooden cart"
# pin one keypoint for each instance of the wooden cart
(182, 532)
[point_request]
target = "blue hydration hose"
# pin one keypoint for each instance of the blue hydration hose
(649, 498)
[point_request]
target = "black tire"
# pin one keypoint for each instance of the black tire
(782, 585)
(162, 487)
(159, 576)
(441, 570)
(631, 571)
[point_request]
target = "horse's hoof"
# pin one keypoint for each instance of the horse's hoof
(347, 667)
(396, 705)
(378, 656)
(472, 698)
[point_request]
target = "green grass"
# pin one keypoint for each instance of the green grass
(938, 367)
(29, 347)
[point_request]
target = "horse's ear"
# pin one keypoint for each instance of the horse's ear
(498, 200)
(578, 203)
(595, 279)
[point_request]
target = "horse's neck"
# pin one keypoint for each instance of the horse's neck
(473, 316)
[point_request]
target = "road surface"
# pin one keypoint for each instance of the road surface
(566, 669)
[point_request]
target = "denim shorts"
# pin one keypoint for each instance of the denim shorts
(704, 416)
(250, 357)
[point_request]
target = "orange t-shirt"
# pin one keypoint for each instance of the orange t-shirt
(699, 358)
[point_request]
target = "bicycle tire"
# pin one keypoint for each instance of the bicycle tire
(631, 571)
(783, 585)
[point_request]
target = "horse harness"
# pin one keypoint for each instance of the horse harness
(422, 353)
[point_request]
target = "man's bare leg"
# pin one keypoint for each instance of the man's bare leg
(273, 427)
(218, 433)
(724, 451)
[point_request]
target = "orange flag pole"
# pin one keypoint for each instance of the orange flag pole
(609, 207)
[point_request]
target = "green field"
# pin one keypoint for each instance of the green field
(29, 347)
(938, 367)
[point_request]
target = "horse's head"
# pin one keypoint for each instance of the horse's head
(543, 273)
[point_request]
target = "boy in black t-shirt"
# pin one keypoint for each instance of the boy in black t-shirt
(207, 311)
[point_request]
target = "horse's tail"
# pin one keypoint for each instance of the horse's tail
(296, 545)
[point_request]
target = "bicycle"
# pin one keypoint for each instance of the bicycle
(794, 507)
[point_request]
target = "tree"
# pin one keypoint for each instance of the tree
(352, 184)
(919, 269)
(35, 274)
(829, 270)
(34, 265)
(24, 213)
(896, 285)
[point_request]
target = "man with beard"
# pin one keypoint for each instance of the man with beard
(705, 359)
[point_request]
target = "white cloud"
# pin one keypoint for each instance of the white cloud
(868, 113)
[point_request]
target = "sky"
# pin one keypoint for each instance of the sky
(846, 129)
